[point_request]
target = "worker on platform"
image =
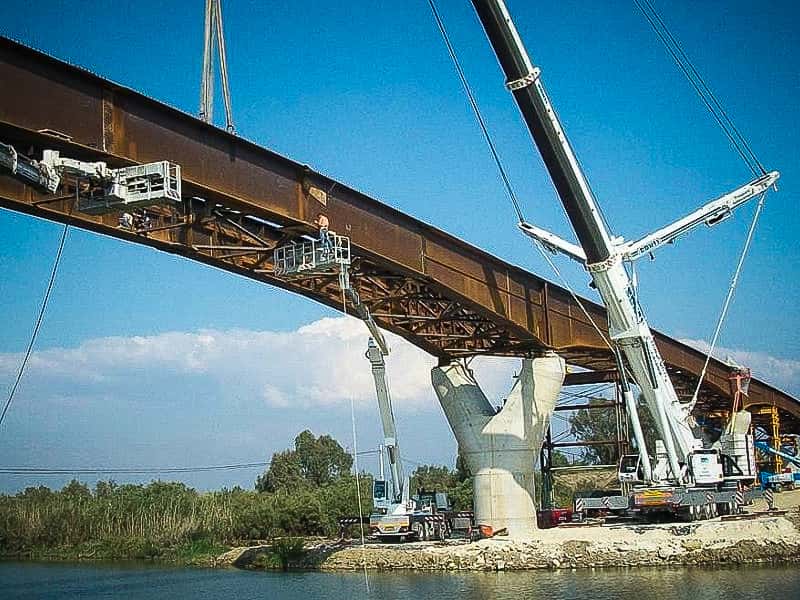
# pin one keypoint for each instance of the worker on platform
(323, 225)
(126, 220)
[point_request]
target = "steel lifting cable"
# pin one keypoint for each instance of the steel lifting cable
(498, 162)
(729, 297)
(355, 465)
(38, 324)
(546, 256)
(716, 109)
(475, 109)
(223, 69)
(736, 138)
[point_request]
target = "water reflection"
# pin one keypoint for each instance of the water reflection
(134, 581)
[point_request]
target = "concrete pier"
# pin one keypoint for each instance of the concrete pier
(501, 448)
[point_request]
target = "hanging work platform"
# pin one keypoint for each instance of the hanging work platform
(304, 258)
(136, 186)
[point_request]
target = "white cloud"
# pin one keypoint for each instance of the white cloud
(783, 373)
(220, 396)
(320, 364)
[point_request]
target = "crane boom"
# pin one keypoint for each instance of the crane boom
(709, 214)
(375, 357)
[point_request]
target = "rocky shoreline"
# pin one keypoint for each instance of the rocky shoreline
(768, 539)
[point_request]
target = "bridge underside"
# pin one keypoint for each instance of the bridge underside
(240, 201)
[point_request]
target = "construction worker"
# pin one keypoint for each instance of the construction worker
(325, 242)
(126, 220)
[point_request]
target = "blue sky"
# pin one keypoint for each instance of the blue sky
(366, 93)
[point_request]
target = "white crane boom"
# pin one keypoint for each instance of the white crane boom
(375, 357)
(709, 214)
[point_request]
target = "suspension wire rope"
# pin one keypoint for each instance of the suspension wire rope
(739, 143)
(729, 297)
(499, 163)
(223, 69)
(355, 465)
(546, 255)
(358, 492)
(476, 110)
(708, 98)
(38, 324)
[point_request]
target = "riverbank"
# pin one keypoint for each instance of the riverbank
(764, 539)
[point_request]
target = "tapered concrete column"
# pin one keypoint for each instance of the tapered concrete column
(501, 448)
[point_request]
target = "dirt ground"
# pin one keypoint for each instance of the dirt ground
(787, 500)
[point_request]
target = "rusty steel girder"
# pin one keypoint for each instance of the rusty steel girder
(240, 200)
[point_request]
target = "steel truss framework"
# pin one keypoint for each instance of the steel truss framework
(240, 201)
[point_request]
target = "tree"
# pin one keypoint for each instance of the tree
(432, 477)
(600, 424)
(462, 472)
(322, 459)
(559, 459)
(75, 490)
(314, 462)
(456, 483)
(104, 489)
(284, 473)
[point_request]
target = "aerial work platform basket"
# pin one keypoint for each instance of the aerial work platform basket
(304, 258)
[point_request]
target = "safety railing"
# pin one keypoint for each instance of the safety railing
(303, 258)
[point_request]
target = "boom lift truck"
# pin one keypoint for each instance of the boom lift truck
(397, 516)
(789, 479)
(686, 477)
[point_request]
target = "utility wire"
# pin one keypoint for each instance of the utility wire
(127, 470)
(36, 327)
(477, 111)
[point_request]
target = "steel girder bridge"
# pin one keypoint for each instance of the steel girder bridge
(240, 201)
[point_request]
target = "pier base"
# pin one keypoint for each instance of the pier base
(500, 448)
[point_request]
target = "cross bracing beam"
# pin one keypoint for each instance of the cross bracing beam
(440, 293)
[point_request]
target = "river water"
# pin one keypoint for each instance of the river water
(134, 580)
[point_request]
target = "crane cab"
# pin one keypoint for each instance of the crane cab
(706, 467)
(630, 469)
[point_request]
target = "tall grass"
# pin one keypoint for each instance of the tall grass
(148, 520)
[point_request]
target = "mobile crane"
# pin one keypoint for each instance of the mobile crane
(687, 477)
(397, 515)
